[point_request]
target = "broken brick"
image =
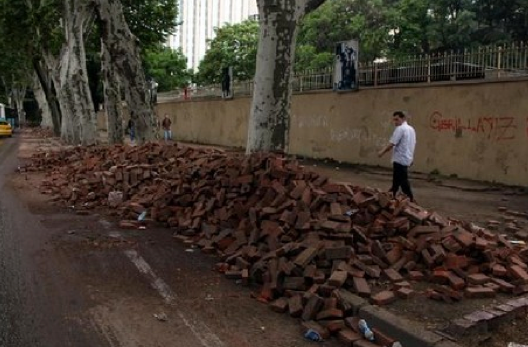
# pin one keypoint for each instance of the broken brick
(478, 278)
(313, 306)
(295, 306)
(479, 292)
(392, 275)
(348, 336)
(338, 278)
(383, 298)
(280, 305)
(332, 313)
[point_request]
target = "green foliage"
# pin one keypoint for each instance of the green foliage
(152, 21)
(343, 20)
(234, 45)
(384, 28)
(307, 57)
(168, 67)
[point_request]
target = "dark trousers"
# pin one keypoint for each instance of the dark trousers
(400, 178)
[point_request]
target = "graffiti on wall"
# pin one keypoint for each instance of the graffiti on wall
(499, 128)
(362, 135)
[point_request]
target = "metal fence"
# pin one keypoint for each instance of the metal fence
(490, 62)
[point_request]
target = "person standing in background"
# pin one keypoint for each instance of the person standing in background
(402, 144)
(167, 132)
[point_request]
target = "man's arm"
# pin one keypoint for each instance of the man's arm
(385, 150)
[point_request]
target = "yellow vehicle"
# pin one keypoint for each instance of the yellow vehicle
(5, 128)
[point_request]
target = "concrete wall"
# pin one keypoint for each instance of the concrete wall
(475, 130)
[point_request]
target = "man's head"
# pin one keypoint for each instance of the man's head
(166, 115)
(398, 118)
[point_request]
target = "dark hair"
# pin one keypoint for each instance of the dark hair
(399, 114)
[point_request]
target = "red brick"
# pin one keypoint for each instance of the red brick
(394, 255)
(312, 308)
(306, 257)
(423, 229)
(481, 243)
(333, 326)
(332, 313)
(465, 238)
(499, 270)
(478, 279)
(295, 306)
(280, 305)
(441, 276)
(503, 285)
(294, 283)
(361, 287)
(402, 284)
(453, 261)
(339, 253)
(348, 336)
(338, 278)
(456, 282)
(479, 292)
(330, 303)
(383, 298)
(416, 275)
(392, 275)
(519, 273)
(404, 293)
(382, 339)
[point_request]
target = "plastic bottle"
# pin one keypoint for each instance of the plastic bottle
(365, 330)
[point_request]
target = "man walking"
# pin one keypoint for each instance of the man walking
(167, 132)
(402, 144)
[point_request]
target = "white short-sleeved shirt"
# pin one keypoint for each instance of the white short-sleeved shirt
(404, 141)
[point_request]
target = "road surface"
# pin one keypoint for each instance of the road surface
(71, 280)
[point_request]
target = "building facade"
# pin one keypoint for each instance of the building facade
(198, 19)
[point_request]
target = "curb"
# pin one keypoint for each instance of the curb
(409, 334)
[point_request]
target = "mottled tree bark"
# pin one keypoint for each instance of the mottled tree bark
(40, 96)
(47, 84)
(269, 121)
(112, 98)
(18, 94)
(123, 50)
(75, 98)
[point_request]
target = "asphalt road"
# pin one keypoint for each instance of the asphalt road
(36, 304)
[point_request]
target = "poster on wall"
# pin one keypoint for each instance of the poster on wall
(227, 82)
(346, 72)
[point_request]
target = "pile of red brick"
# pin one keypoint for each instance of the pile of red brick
(308, 241)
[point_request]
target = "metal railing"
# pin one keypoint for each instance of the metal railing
(489, 62)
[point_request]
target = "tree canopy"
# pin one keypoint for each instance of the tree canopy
(168, 67)
(234, 45)
(384, 28)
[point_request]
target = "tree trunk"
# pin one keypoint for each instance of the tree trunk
(112, 98)
(78, 114)
(47, 86)
(123, 49)
(44, 108)
(269, 121)
(19, 93)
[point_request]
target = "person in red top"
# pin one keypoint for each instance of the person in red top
(166, 124)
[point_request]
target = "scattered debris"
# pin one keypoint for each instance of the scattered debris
(162, 317)
(309, 242)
